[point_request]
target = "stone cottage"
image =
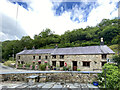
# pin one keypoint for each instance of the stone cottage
(86, 58)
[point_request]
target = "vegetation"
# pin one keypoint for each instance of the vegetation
(9, 63)
(116, 58)
(43, 67)
(108, 29)
(78, 69)
(112, 76)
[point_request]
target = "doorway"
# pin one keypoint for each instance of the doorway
(74, 65)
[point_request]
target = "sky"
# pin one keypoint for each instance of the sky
(20, 18)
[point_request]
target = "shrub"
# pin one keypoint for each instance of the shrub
(27, 65)
(64, 68)
(42, 66)
(9, 63)
(20, 65)
(33, 66)
(112, 76)
(69, 68)
(78, 69)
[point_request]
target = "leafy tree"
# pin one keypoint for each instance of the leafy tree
(112, 76)
(116, 58)
(26, 41)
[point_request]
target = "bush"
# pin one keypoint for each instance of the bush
(78, 69)
(27, 65)
(69, 68)
(112, 76)
(33, 67)
(20, 65)
(42, 66)
(64, 68)
(9, 63)
(116, 58)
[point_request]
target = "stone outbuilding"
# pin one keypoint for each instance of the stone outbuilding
(86, 58)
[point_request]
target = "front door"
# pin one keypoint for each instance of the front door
(74, 65)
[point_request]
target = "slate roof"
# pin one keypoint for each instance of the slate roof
(103, 49)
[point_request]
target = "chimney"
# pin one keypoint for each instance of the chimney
(33, 48)
(56, 46)
(102, 42)
(25, 48)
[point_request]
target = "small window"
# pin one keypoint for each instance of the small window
(104, 56)
(22, 62)
(103, 63)
(54, 63)
(39, 57)
(46, 57)
(87, 64)
(61, 63)
(18, 62)
(53, 56)
(33, 57)
(61, 56)
(18, 57)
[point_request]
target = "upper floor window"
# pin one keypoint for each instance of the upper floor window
(85, 63)
(33, 57)
(61, 56)
(39, 57)
(53, 56)
(102, 63)
(46, 57)
(104, 56)
(18, 57)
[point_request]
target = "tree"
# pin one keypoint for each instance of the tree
(112, 76)
(116, 58)
(45, 33)
(26, 41)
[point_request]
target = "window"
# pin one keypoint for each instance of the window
(61, 63)
(39, 57)
(22, 62)
(33, 57)
(104, 56)
(53, 56)
(87, 64)
(103, 63)
(54, 63)
(46, 57)
(18, 62)
(18, 57)
(61, 56)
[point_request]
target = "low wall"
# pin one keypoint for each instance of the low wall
(52, 77)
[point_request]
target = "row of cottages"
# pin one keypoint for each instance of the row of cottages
(86, 58)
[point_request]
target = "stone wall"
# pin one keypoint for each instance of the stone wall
(95, 60)
(52, 77)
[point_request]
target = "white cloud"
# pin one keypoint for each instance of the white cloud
(42, 16)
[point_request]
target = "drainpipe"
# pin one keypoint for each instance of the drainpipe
(105, 77)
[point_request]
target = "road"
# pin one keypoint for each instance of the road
(6, 69)
(3, 67)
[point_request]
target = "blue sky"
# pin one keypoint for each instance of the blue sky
(30, 17)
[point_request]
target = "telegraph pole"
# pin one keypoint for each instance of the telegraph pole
(105, 77)
(13, 54)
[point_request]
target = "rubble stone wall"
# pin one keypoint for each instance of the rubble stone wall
(52, 77)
